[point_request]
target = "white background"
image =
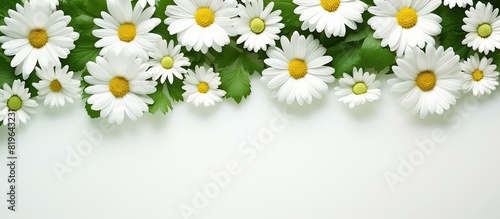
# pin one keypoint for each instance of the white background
(329, 162)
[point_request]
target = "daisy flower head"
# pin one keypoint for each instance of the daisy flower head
(36, 34)
(401, 24)
(459, 3)
(202, 87)
(119, 85)
(482, 25)
(481, 76)
(258, 26)
(56, 85)
(16, 99)
(202, 24)
(330, 16)
(167, 61)
(358, 89)
(143, 3)
(298, 71)
(430, 80)
(126, 27)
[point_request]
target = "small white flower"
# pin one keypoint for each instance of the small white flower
(330, 16)
(128, 28)
(401, 24)
(17, 100)
(298, 71)
(258, 26)
(36, 34)
(459, 3)
(358, 89)
(202, 24)
(57, 85)
(430, 81)
(480, 75)
(167, 61)
(482, 25)
(201, 87)
(144, 2)
(119, 85)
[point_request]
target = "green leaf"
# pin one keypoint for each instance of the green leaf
(92, 113)
(161, 101)
(452, 34)
(290, 19)
(374, 55)
(175, 90)
(83, 53)
(236, 82)
(162, 29)
(345, 57)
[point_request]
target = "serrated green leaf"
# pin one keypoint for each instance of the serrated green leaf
(162, 29)
(290, 19)
(235, 81)
(161, 101)
(452, 34)
(84, 52)
(175, 90)
(373, 55)
(92, 113)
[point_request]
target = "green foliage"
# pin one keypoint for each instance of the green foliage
(175, 90)
(235, 73)
(161, 101)
(374, 55)
(452, 34)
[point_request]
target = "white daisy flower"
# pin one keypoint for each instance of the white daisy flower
(330, 16)
(143, 3)
(57, 86)
(167, 61)
(17, 100)
(358, 89)
(258, 26)
(298, 71)
(402, 24)
(482, 25)
(430, 80)
(119, 86)
(201, 87)
(202, 24)
(459, 3)
(36, 34)
(480, 75)
(128, 28)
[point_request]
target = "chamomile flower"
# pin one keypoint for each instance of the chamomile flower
(119, 85)
(330, 16)
(482, 25)
(143, 3)
(57, 85)
(297, 72)
(258, 26)
(124, 27)
(459, 3)
(402, 24)
(202, 87)
(202, 24)
(36, 34)
(481, 76)
(430, 81)
(358, 89)
(16, 99)
(167, 61)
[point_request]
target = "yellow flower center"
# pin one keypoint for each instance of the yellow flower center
(407, 18)
(477, 75)
(204, 17)
(127, 32)
(257, 25)
(297, 68)
(484, 30)
(119, 86)
(38, 38)
(167, 62)
(359, 88)
(14, 103)
(426, 80)
(203, 87)
(55, 86)
(330, 5)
